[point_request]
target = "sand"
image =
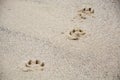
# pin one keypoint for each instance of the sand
(37, 29)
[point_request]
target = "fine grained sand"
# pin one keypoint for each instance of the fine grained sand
(31, 29)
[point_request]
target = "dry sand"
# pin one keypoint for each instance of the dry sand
(32, 29)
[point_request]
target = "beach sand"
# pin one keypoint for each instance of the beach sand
(38, 29)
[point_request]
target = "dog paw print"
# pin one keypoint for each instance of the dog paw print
(85, 12)
(75, 34)
(33, 65)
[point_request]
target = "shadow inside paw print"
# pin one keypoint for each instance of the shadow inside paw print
(33, 65)
(75, 34)
(85, 12)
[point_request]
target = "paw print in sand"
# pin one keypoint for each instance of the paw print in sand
(85, 12)
(33, 65)
(75, 34)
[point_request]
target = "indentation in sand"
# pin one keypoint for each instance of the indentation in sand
(85, 12)
(75, 34)
(33, 65)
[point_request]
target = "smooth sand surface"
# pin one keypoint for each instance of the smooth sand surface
(32, 29)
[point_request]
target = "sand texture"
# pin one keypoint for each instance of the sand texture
(59, 40)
